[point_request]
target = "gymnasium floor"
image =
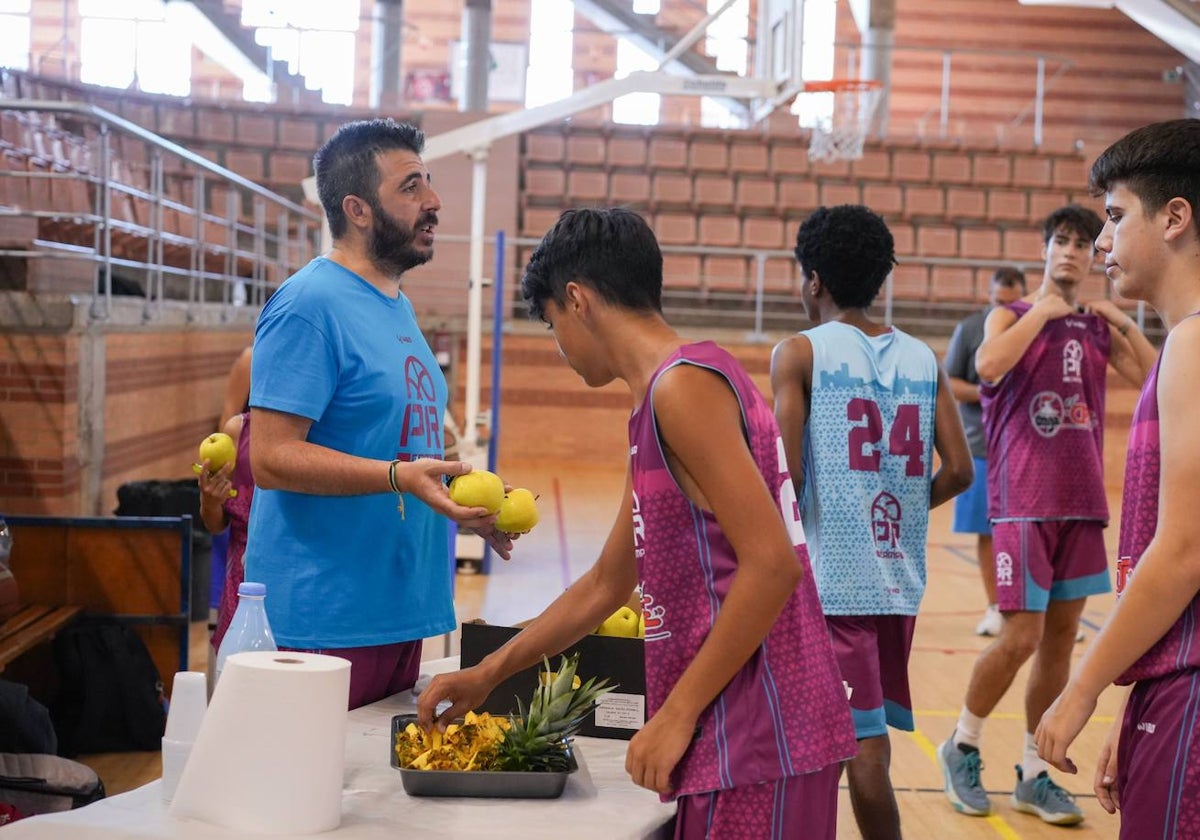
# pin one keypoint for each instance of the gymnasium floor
(577, 505)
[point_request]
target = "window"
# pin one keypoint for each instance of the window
(816, 62)
(314, 37)
(725, 41)
(135, 43)
(551, 41)
(14, 34)
(634, 108)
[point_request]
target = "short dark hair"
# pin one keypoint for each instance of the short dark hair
(1156, 162)
(612, 251)
(852, 250)
(1074, 218)
(346, 164)
(1007, 276)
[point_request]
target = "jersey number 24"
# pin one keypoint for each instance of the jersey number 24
(904, 438)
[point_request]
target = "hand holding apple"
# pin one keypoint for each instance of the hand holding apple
(216, 450)
(478, 488)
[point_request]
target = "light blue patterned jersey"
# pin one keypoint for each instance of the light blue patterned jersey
(868, 454)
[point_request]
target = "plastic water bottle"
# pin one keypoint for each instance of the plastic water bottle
(248, 630)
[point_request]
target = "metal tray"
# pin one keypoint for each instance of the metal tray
(511, 784)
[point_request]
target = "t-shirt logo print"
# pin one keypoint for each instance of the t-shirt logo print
(1072, 361)
(885, 525)
(420, 433)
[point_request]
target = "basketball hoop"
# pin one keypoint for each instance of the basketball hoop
(842, 134)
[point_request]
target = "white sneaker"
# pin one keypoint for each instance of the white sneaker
(991, 622)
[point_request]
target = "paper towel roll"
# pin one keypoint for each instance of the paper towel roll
(270, 752)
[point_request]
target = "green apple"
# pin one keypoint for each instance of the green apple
(218, 449)
(624, 622)
(478, 488)
(518, 512)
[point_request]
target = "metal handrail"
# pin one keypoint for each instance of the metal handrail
(157, 238)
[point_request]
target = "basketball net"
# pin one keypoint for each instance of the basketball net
(841, 136)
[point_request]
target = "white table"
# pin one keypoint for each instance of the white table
(599, 801)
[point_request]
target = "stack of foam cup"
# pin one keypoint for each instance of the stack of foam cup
(189, 699)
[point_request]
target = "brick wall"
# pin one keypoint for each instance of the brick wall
(162, 394)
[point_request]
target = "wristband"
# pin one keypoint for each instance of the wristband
(396, 487)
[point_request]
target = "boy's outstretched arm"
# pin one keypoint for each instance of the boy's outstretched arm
(958, 468)
(700, 422)
(1167, 576)
(595, 596)
(791, 383)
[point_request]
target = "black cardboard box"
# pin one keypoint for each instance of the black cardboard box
(621, 661)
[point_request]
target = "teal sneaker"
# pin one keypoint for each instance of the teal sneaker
(961, 767)
(1041, 797)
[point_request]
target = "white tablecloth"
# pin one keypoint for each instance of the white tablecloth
(599, 801)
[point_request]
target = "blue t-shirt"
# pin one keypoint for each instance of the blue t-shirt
(868, 463)
(348, 571)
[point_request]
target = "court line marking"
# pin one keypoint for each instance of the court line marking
(995, 821)
(564, 557)
(947, 713)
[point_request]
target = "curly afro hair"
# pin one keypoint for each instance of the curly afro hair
(851, 249)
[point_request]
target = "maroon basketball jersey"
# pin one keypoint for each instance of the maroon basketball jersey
(1179, 649)
(1045, 424)
(785, 712)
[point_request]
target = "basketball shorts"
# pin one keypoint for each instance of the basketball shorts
(872, 654)
(1158, 760)
(1041, 561)
(797, 806)
(971, 506)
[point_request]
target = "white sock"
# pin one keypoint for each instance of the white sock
(969, 729)
(1031, 765)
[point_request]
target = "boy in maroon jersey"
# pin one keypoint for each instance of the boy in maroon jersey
(1043, 365)
(1151, 244)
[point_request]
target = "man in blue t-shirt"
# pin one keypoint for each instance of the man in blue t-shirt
(347, 403)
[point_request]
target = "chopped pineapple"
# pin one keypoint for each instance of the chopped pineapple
(535, 739)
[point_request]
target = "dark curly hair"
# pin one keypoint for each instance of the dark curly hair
(346, 164)
(1074, 218)
(1156, 162)
(850, 248)
(610, 250)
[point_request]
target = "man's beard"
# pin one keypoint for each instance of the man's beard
(390, 248)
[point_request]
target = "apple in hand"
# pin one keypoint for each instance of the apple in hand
(624, 622)
(478, 488)
(518, 512)
(218, 449)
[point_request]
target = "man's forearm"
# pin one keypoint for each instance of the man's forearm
(302, 467)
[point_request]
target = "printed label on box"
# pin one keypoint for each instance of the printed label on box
(621, 711)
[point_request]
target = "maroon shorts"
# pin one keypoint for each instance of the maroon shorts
(872, 654)
(1158, 760)
(378, 671)
(798, 806)
(1039, 562)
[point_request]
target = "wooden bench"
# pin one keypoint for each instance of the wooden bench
(33, 625)
(136, 569)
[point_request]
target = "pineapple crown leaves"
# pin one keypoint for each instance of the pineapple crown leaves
(540, 732)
